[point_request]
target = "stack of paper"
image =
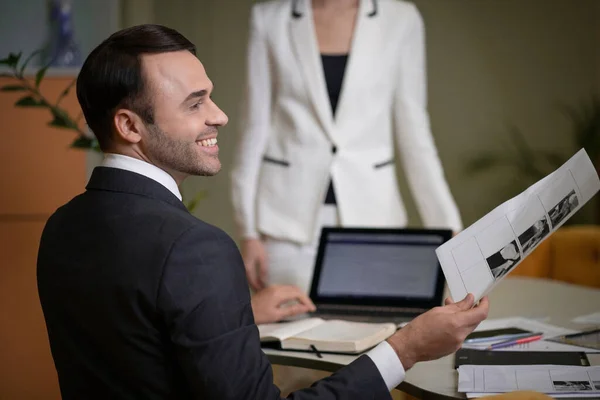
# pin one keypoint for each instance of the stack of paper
(556, 381)
(530, 325)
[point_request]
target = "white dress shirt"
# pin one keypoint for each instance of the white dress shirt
(383, 355)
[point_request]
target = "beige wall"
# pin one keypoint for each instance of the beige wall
(490, 63)
(499, 62)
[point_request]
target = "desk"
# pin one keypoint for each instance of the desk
(526, 297)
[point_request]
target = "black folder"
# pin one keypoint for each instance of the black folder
(494, 357)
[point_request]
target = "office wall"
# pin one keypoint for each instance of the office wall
(491, 64)
(496, 63)
(24, 24)
(38, 174)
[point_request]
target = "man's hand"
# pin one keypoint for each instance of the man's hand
(255, 262)
(438, 332)
(269, 305)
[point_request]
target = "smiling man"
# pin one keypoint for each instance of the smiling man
(144, 301)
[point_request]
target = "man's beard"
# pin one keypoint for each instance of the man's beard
(179, 155)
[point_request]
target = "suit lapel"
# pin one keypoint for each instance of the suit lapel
(305, 44)
(365, 50)
(364, 53)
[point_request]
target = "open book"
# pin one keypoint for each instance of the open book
(334, 336)
(479, 257)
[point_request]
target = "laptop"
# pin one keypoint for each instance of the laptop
(377, 275)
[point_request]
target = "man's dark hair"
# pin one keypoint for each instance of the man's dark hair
(111, 77)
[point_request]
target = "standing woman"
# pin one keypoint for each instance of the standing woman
(334, 87)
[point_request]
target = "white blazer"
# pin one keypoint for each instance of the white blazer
(290, 145)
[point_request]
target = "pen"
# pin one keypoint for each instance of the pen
(313, 348)
(533, 338)
(500, 337)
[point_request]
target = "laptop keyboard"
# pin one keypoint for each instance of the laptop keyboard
(367, 310)
(375, 314)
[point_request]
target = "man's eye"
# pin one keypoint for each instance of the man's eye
(195, 106)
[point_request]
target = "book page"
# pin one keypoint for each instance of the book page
(480, 256)
(342, 331)
(284, 330)
(341, 336)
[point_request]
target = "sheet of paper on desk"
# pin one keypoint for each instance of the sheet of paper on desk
(547, 379)
(579, 395)
(531, 325)
(480, 256)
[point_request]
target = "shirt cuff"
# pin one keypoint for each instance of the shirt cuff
(387, 362)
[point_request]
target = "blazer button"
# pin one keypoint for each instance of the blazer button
(333, 149)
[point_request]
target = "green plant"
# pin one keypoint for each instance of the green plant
(32, 97)
(532, 164)
(192, 203)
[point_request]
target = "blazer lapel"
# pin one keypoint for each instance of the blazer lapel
(365, 53)
(304, 40)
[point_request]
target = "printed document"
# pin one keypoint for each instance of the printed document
(549, 379)
(476, 259)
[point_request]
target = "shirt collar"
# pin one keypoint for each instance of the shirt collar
(143, 168)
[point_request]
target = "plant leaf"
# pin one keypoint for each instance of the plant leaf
(12, 60)
(29, 101)
(66, 91)
(40, 75)
(554, 159)
(486, 161)
(61, 119)
(83, 142)
(194, 201)
(13, 88)
(27, 61)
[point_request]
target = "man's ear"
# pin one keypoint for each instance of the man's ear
(128, 126)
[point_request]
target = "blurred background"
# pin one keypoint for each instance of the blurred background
(513, 92)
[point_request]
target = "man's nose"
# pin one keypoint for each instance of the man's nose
(217, 117)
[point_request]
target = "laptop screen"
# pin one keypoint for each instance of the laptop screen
(393, 267)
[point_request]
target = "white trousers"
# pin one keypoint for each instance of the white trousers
(292, 263)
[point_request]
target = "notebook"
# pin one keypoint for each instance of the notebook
(377, 275)
(318, 335)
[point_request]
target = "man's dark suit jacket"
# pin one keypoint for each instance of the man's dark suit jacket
(142, 300)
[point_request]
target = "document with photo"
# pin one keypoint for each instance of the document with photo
(549, 379)
(476, 259)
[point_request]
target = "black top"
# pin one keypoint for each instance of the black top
(142, 300)
(334, 67)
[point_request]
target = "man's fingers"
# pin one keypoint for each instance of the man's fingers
(466, 303)
(477, 314)
(290, 311)
(448, 301)
(305, 300)
(289, 293)
(484, 302)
